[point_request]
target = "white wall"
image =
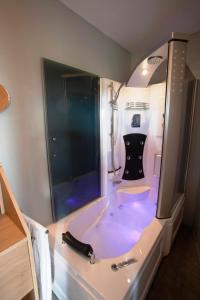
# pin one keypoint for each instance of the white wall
(30, 30)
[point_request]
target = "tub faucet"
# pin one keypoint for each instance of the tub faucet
(92, 258)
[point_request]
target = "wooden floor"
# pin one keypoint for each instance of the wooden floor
(178, 277)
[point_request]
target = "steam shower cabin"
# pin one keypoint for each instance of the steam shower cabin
(124, 150)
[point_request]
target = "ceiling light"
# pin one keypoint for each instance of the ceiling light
(144, 72)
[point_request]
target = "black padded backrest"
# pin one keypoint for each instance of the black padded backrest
(82, 248)
(134, 144)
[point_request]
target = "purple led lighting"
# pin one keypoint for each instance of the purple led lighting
(120, 228)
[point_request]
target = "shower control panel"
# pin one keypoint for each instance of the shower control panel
(136, 120)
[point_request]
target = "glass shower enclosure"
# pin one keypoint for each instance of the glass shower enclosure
(72, 135)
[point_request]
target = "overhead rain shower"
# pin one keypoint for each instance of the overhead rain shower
(154, 60)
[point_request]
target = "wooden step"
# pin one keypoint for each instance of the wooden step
(9, 233)
(15, 272)
(17, 269)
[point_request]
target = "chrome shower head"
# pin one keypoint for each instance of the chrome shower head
(154, 60)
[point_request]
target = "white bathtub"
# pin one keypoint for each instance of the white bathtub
(117, 225)
(76, 279)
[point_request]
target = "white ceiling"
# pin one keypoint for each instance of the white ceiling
(140, 26)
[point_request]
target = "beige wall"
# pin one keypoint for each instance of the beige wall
(193, 54)
(30, 30)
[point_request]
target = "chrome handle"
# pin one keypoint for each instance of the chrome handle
(92, 258)
(53, 139)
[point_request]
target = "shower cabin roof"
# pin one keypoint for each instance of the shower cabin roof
(155, 63)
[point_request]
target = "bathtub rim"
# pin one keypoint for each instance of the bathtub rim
(133, 272)
(164, 231)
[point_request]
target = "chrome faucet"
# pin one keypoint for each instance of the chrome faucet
(92, 257)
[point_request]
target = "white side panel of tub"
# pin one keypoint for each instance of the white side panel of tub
(65, 283)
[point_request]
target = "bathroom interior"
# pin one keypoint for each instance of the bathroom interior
(99, 144)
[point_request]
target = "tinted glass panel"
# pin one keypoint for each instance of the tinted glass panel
(72, 115)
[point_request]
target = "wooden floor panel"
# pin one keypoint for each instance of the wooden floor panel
(178, 277)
